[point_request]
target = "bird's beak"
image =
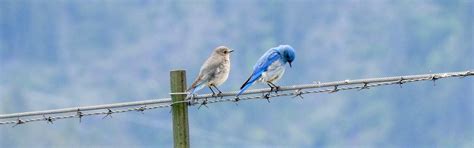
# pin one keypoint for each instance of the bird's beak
(232, 50)
(289, 63)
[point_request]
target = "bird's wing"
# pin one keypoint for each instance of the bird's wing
(261, 66)
(266, 60)
(196, 82)
(211, 65)
(207, 70)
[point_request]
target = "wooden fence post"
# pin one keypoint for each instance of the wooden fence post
(180, 110)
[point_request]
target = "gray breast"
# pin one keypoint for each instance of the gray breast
(220, 74)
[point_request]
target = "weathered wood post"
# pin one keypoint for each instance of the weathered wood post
(179, 110)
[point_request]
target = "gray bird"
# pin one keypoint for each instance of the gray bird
(213, 72)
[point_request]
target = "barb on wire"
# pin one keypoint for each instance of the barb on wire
(365, 86)
(203, 103)
(434, 78)
(109, 113)
(296, 91)
(400, 82)
(49, 120)
(334, 90)
(79, 115)
(236, 99)
(18, 122)
(142, 109)
(267, 96)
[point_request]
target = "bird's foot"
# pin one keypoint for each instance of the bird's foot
(214, 94)
(220, 95)
(275, 89)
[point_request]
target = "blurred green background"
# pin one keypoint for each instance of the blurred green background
(56, 54)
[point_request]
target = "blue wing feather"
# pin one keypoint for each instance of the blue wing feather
(261, 66)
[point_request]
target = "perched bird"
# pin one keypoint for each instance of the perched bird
(213, 72)
(270, 67)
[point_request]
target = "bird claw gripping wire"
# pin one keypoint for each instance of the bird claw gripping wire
(275, 89)
(334, 90)
(49, 120)
(298, 93)
(18, 122)
(366, 86)
(109, 114)
(204, 103)
(79, 115)
(218, 95)
(215, 95)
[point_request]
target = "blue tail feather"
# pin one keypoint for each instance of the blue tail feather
(249, 82)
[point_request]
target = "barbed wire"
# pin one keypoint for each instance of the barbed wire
(80, 114)
(107, 110)
(88, 108)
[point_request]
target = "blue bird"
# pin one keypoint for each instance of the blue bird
(270, 67)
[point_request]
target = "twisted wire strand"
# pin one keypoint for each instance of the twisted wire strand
(299, 93)
(79, 114)
(202, 100)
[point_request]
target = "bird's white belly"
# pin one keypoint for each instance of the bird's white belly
(274, 73)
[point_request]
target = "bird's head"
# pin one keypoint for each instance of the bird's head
(287, 52)
(224, 51)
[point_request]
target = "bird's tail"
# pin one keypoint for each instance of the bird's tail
(197, 88)
(254, 77)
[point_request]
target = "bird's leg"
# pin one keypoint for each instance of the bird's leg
(213, 93)
(273, 87)
(220, 92)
